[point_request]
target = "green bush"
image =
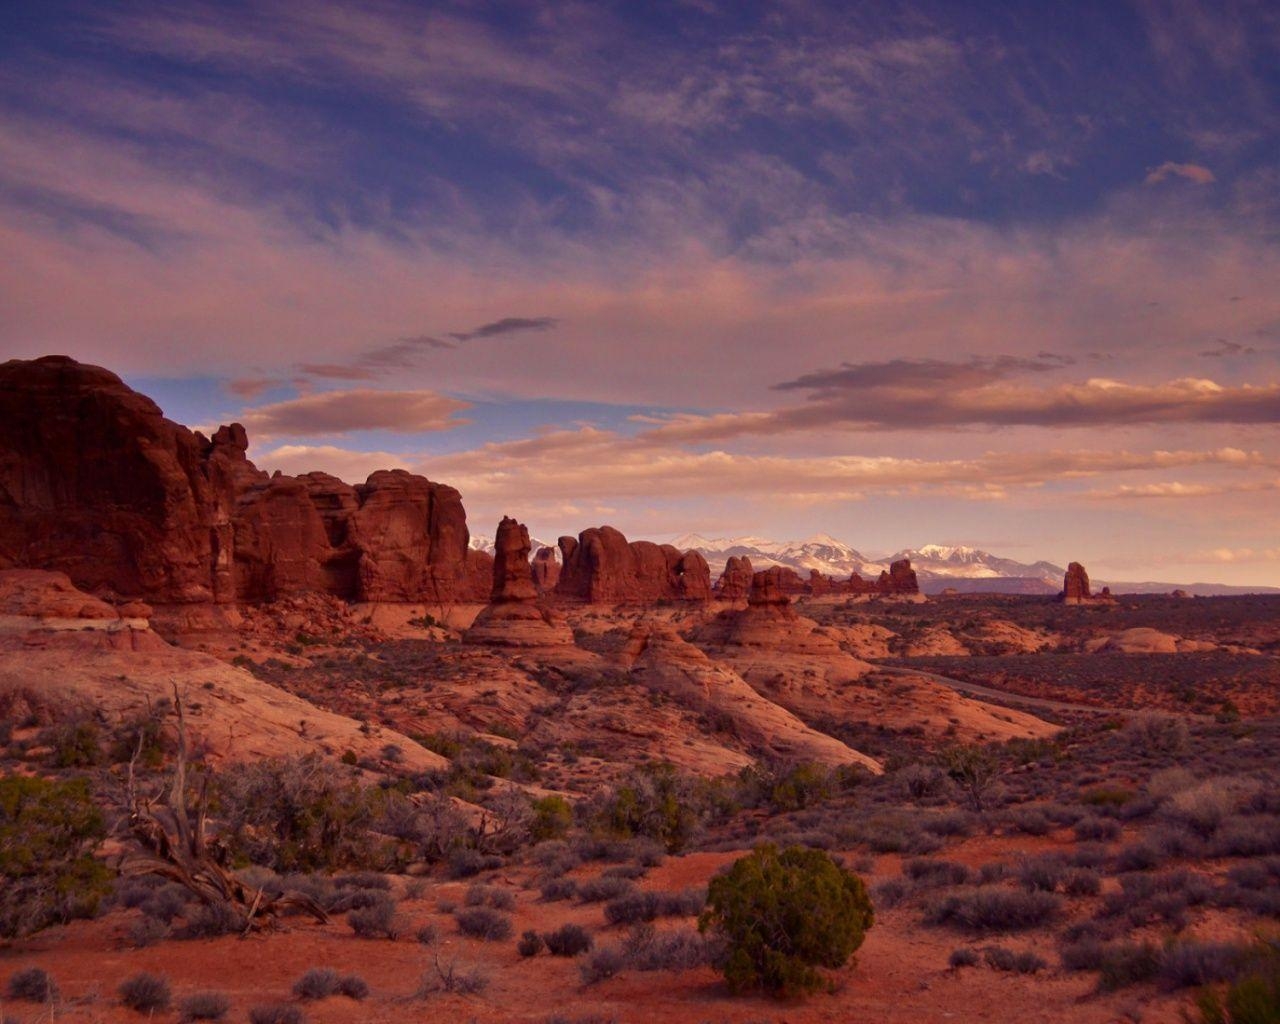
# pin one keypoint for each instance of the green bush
(783, 915)
(48, 832)
(658, 803)
(1253, 998)
(552, 818)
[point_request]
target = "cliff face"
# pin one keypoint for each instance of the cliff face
(602, 567)
(96, 483)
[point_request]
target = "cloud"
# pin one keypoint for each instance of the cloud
(1191, 172)
(336, 412)
(252, 387)
(922, 373)
(933, 394)
(508, 325)
(1223, 349)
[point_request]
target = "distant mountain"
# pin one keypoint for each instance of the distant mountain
(939, 567)
(822, 552)
(956, 562)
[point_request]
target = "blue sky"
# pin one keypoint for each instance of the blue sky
(1005, 274)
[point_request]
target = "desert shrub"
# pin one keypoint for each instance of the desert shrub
(363, 880)
(1088, 855)
(166, 903)
(784, 914)
(992, 910)
(558, 889)
(1127, 963)
(275, 1013)
(1041, 874)
(963, 957)
(568, 940)
(924, 872)
(602, 964)
(204, 1006)
(32, 985)
(1081, 882)
(597, 890)
(1203, 807)
(552, 818)
(973, 769)
(918, 780)
(891, 892)
(74, 743)
(800, 786)
(1253, 997)
(483, 923)
(426, 933)
(1192, 964)
(452, 978)
(530, 944)
(1154, 733)
(48, 832)
(656, 802)
(1093, 828)
(146, 993)
(298, 814)
(948, 823)
(631, 908)
(466, 862)
(1002, 959)
(353, 986)
(376, 921)
(1030, 820)
(489, 896)
(209, 920)
(628, 871)
(678, 949)
(1255, 836)
(316, 983)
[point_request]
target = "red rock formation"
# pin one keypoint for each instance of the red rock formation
(769, 588)
(901, 579)
(1075, 585)
(512, 617)
(512, 576)
(546, 570)
(601, 567)
(96, 483)
(735, 582)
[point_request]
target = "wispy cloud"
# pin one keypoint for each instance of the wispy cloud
(1193, 173)
(507, 325)
(337, 412)
(1223, 349)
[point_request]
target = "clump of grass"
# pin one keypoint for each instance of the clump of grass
(530, 944)
(275, 1013)
(483, 923)
(146, 993)
(204, 1006)
(568, 940)
(993, 910)
(32, 985)
(317, 983)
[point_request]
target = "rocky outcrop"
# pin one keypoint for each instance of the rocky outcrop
(900, 579)
(601, 567)
(1076, 589)
(735, 582)
(1075, 585)
(546, 570)
(512, 617)
(96, 483)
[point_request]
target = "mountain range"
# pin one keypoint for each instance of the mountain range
(939, 567)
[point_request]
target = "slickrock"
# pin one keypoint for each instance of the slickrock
(601, 567)
(663, 661)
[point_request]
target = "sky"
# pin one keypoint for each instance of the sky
(999, 274)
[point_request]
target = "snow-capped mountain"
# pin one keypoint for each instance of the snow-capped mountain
(823, 552)
(959, 562)
(937, 565)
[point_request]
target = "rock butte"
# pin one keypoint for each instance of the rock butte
(601, 566)
(512, 617)
(1076, 590)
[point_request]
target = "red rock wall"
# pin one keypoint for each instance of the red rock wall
(602, 567)
(96, 483)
